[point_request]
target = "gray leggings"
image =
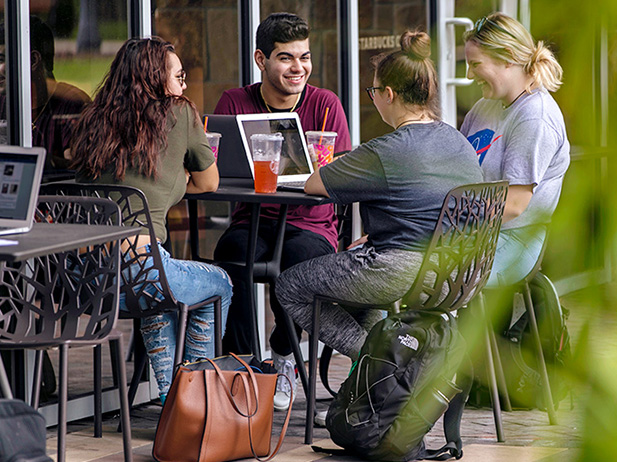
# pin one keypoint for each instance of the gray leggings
(361, 275)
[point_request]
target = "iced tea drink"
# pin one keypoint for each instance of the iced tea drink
(266, 175)
(266, 159)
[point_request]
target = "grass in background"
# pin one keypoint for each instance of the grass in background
(83, 72)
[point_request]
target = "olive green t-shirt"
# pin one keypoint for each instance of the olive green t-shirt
(187, 146)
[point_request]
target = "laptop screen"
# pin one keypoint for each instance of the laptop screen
(17, 177)
(21, 170)
(295, 162)
(232, 161)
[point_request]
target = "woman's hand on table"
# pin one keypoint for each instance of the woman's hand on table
(314, 185)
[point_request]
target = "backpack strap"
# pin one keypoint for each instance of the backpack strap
(447, 451)
(332, 451)
(452, 417)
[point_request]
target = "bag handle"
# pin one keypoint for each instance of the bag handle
(249, 415)
(227, 387)
(283, 430)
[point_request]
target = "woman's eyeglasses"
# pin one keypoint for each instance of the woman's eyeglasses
(371, 92)
(480, 23)
(181, 78)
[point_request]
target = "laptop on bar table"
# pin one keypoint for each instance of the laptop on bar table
(235, 159)
(21, 170)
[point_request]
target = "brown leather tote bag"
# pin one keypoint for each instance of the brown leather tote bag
(219, 410)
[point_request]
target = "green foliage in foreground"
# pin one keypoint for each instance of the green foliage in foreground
(584, 31)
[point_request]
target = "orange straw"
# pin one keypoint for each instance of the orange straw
(206, 123)
(323, 126)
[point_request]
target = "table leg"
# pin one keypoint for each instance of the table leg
(250, 262)
(193, 228)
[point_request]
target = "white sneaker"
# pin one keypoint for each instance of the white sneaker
(320, 418)
(287, 366)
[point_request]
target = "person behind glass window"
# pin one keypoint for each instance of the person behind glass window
(141, 131)
(518, 132)
(55, 105)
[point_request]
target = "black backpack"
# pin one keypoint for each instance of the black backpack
(518, 356)
(22, 433)
(401, 384)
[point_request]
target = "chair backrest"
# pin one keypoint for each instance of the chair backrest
(460, 253)
(63, 297)
(143, 280)
(77, 210)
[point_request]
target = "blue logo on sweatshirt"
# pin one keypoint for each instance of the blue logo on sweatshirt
(482, 141)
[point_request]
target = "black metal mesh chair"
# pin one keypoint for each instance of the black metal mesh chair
(455, 267)
(523, 287)
(67, 299)
(146, 289)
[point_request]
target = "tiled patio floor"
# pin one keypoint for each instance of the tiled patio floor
(529, 437)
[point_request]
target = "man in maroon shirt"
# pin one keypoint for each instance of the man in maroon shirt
(284, 58)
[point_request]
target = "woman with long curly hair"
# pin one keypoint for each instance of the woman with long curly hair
(140, 131)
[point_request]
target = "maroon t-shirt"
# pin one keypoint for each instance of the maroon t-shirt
(311, 109)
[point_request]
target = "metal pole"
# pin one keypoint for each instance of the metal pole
(248, 20)
(139, 18)
(18, 85)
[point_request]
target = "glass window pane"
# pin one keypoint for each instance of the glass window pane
(381, 23)
(206, 40)
(3, 122)
(73, 43)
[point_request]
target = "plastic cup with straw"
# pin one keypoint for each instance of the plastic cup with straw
(323, 125)
(321, 144)
(214, 139)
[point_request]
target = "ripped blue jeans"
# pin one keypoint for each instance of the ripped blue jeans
(191, 282)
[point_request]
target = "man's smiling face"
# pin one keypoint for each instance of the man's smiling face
(288, 68)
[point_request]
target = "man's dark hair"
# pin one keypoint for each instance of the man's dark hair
(41, 40)
(281, 28)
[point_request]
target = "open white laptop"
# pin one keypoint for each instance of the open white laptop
(21, 170)
(295, 166)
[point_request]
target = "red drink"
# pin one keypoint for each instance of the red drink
(266, 157)
(266, 174)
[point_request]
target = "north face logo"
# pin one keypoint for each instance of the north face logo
(409, 341)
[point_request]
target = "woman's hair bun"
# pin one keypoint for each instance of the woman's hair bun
(416, 45)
